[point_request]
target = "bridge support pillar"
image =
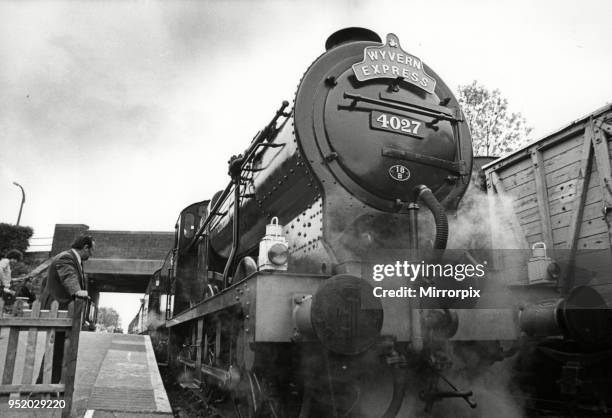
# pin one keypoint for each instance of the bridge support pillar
(94, 294)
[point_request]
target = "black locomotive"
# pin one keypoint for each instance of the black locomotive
(267, 306)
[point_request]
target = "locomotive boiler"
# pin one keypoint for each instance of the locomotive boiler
(273, 305)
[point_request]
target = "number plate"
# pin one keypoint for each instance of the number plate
(397, 124)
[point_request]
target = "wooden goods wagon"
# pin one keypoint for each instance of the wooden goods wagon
(558, 191)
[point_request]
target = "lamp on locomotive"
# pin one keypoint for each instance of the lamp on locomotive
(273, 249)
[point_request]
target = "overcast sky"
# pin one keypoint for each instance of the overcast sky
(119, 114)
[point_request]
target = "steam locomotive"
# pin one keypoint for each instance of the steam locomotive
(268, 306)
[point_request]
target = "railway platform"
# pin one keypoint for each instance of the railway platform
(117, 376)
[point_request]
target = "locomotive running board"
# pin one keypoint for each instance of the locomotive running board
(221, 301)
(243, 296)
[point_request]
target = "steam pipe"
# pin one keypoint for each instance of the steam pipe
(249, 154)
(426, 195)
(413, 210)
(235, 172)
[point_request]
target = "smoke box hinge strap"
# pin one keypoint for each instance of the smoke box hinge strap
(458, 167)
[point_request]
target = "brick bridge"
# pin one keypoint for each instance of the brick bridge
(123, 260)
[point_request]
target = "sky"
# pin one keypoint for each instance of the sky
(118, 114)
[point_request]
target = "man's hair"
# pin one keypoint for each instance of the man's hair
(14, 254)
(81, 241)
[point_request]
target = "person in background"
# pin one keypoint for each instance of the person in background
(26, 291)
(6, 263)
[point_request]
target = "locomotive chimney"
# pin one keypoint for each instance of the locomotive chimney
(351, 35)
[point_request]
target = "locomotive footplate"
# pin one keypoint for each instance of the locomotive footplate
(267, 301)
(260, 297)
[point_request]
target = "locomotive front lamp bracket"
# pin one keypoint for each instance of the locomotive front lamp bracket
(394, 85)
(331, 81)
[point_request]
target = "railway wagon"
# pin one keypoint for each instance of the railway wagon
(556, 194)
(552, 201)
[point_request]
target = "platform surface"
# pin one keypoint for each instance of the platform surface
(117, 376)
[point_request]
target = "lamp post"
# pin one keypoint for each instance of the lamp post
(22, 201)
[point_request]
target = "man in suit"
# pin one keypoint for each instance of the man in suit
(65, 277)
(65, 281)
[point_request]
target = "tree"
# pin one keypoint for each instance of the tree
(495, 130)
(14, 236)
(108, 319)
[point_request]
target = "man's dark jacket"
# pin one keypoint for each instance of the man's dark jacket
(64, 279)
